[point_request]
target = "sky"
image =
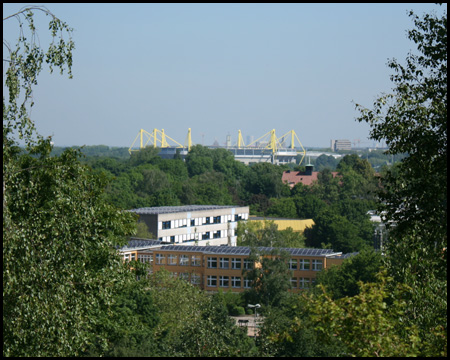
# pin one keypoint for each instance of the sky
(218, 69)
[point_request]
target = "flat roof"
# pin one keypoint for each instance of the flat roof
(251, 217)
(245, 250)
(137, 243)
(343, 256)
(177, 209)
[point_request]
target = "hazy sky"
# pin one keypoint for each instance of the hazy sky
(219, 68)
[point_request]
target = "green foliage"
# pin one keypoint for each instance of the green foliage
(24, 63)
(266, 234)
(128, 324)
(325, 161)
(413, 120)
(365, 323)
(341, 281)
(265, 178)
(288, 331)
(143, 232)
(234, 302)
(193, 324)
(332, 230)
(207, 188)
(59, 260)
(284, 207)
(270, 278)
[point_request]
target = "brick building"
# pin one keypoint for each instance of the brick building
(222, 267)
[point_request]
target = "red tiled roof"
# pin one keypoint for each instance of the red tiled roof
(292, 178)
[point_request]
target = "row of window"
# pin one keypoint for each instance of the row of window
(237, 282)
(180, 223)
(197, 236)
(226, 281)
(184, 260)
(221, 262)
(224, 263)
(304, 264)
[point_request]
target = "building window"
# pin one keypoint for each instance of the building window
(304, 264)
(195, 279)
(184, 276)
(224, 263)
(192, 222)
(216, 219)
(317, 265)
(211, 281)
(206, 236)
(166, 225)
(145, 258)
(216, 234)
(184, 260)
(212, 263)
(224, 281)
(304, 283)
(293, 264)
(160, 259)
(294, 283)
(207, 220)
(247, 283)
(248, 264)
(236, 263)
(172, 259)
(172, 238)
(196, 260)
(236, 281)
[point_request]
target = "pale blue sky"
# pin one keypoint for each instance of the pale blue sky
(219, 68)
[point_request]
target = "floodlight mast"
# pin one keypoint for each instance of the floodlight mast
(257, 306)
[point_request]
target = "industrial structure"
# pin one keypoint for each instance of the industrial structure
(267, 148)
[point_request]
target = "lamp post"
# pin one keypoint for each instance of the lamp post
(257, 306)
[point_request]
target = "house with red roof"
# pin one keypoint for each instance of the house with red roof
(306, 177)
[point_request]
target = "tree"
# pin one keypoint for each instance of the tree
(284, 207)
(364, 323)
(256, 233)
(325, 161)
(191, 323)
(413, 120)
(270, 277)
(265, 178)
(343, 280)
(60, 265)
(335, 231)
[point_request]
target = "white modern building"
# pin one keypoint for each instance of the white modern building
(194, 224)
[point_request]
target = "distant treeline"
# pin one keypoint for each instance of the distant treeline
(376, 158)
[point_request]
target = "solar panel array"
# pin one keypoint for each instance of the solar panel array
(140, 243)
(245, 250)
(175, 209)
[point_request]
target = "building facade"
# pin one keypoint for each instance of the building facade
(222, 267)
(343, 144)
(297, 225)
(194, 224)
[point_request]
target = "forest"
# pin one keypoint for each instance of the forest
(67, 292)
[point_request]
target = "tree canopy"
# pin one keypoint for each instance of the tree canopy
(413, 120)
